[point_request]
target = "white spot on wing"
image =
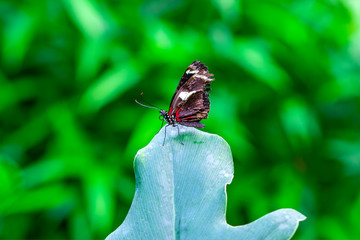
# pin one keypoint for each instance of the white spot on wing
(202, 77)
(192, 71)
(186, 95)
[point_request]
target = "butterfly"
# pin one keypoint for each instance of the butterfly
(190, 103)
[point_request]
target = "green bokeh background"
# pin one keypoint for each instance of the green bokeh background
(286, 98)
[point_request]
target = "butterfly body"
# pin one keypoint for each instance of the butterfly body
(170, 120)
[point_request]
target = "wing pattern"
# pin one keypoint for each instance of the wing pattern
(190, 103)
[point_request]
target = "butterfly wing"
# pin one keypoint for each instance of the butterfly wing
(190, 103)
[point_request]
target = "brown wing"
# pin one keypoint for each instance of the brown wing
(190, 103)
(191, 70)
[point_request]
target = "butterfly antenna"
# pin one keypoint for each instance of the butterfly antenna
(149, 104)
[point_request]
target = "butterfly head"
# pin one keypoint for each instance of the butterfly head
(163, 115)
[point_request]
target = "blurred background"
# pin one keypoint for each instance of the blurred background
(286, 98)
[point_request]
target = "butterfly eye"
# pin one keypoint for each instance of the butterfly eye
(161, 117)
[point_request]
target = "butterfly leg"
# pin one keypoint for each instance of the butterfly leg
(162, 123)
(179, 135)
(165, 134)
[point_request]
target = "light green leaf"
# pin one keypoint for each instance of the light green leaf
(108, 87)
(17, 36)
(88, 17)
(181, 193)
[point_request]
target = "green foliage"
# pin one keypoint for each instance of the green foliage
(181, 193)
(285, 98)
